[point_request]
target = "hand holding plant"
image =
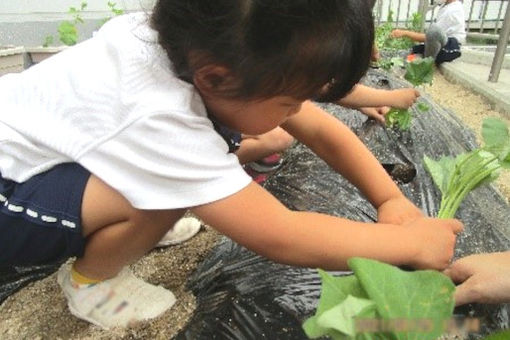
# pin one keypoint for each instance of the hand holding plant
(404, 98)
(418, 71)
(398, 210)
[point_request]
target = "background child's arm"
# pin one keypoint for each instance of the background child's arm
(415, 36)
(335, 143)
(255, 219)
(365, 96)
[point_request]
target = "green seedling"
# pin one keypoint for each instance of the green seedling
(114, 12)
(67, 31)
(48, 40)
(420, 71)
(387, 64)
(456, 177)
(401, 118)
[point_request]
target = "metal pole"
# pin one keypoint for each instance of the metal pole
(422, 8)
(499, 56)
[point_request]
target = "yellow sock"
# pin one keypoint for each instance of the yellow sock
(80, 279)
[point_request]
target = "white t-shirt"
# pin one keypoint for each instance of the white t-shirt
(451, 19)
(113, 105)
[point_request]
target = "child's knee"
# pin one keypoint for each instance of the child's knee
(436, 34)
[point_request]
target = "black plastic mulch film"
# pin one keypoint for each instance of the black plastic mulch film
(241, 295)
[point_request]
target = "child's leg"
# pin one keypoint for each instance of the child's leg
(117, 234)
(435, 39)
(97, 287)
(257, 147)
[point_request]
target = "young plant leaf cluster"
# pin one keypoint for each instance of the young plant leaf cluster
(401, 118)
(420, 71)
(456, 177)
(387, 64)
(68, 31)
(384, 293)
(383, 39)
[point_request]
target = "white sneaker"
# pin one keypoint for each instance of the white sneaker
(183, 230)
(120, 301)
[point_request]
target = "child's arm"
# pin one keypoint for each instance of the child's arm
(365, 96)
(335, 143)
(255, 219)
(415, 36)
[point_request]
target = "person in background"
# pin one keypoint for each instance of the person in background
(444, 38)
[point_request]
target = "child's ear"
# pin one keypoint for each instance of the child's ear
(212, 79)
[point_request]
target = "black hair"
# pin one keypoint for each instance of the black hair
(273, 47)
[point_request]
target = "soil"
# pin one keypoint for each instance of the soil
(39, 310)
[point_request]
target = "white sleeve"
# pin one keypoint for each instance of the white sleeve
(167, 162)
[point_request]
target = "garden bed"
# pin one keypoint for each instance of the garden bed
(39, 310)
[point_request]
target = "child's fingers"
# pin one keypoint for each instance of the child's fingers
(456, 226)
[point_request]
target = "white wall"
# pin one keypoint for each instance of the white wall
(29, 22)
(51, 10)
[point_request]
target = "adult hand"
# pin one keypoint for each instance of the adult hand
(403, 98)
(484, 278)
(399, 210)
(376, 113)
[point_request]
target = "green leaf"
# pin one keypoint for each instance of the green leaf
(480, 161)
(68, 33)
(334, 290)
(503, 335)
(440, 171)
(337, 289)
(400, 118)
(398, 294)
(48, 40)
(397, 61)
(420, 71)
(497, 139)
(342, 317)
(422, 107)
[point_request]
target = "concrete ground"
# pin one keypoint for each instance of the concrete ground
(472, 70)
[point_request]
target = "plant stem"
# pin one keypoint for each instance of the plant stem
(449, 209)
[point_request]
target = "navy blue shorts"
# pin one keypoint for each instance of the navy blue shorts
(40, 219)
(448, 52)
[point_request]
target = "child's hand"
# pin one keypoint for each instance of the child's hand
(376, 113)
(375, 53)
(435, 241)
(396, 33)
(398, 210)
(403, 98)
(485, 278)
